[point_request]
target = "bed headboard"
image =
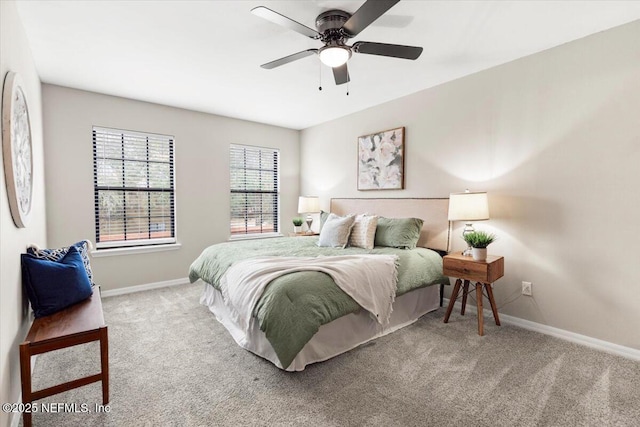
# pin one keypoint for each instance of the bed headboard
(436, 230)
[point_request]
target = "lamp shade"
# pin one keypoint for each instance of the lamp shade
(308, 204)
(468, 206)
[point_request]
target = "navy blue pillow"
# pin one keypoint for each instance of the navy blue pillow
(57, 254)
(55, 285)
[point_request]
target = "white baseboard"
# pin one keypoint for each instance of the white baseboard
(606, 346)
(15, 418)
(145, 287)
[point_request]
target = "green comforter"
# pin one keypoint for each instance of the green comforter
(294, 306)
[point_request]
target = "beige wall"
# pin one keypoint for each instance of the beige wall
(15, 55)
(555, 140)
(201, 168)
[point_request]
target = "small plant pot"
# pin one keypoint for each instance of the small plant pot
(479, 254)
(297, 229)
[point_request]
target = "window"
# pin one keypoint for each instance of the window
(254, 190)
(133, 188)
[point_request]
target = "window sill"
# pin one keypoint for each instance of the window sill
(135, 250)
(255, 236)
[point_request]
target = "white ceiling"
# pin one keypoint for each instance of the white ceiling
(205, 55)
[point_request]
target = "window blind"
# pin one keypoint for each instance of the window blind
(133, 178)
(254, 190)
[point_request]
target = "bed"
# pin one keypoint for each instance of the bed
(307, 316)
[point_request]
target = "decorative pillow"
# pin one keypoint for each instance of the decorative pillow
(57, 254)
(363, 232)
(55, 285)
(336, 230)
(323, 218)
(401, 233)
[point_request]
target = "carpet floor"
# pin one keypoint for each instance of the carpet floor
(173, 364)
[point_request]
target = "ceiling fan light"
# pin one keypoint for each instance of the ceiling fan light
(334, 56)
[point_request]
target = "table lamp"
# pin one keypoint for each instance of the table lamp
(468, 207)
(308, 205)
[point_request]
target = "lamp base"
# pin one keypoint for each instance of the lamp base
(468, 228)
(309, 222)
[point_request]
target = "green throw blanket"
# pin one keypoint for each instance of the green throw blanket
(294, 306)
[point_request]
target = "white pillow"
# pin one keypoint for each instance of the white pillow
(363, 233)
(335, 231)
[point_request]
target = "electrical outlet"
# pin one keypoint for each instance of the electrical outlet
(526, 288)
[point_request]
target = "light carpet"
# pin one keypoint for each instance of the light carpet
(173, 364)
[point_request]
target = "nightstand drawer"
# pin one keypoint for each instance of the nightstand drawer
(479, 271)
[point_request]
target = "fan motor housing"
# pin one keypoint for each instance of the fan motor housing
(331, 20)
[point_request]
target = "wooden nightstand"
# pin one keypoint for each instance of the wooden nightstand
(303, 234)
(484, 273)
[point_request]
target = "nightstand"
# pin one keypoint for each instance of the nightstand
(303, 234)
(484, 273)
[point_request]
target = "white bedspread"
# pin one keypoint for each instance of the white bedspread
(370, 280)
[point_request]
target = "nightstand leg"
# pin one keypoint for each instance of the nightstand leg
(479, 305)
(465, 291)
(452, 300)
(487, 286)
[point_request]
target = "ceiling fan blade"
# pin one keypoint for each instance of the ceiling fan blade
(384, 49)
(290, 58)
(368, 12)
(282, 20)
(341, 74)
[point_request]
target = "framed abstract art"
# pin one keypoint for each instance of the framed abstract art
(381, 160)
(16, 149)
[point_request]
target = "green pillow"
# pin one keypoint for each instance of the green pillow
(402, 233)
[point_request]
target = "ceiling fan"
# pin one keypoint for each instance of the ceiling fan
(334, 28)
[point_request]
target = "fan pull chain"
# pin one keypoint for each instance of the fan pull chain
(347, 88)
(319, 76)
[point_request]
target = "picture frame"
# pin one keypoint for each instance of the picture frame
(381, 160)
(17, 149)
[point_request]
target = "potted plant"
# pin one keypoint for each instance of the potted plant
(479, 240)
(297, 225)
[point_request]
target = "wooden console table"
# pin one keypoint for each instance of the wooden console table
(79, 324)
